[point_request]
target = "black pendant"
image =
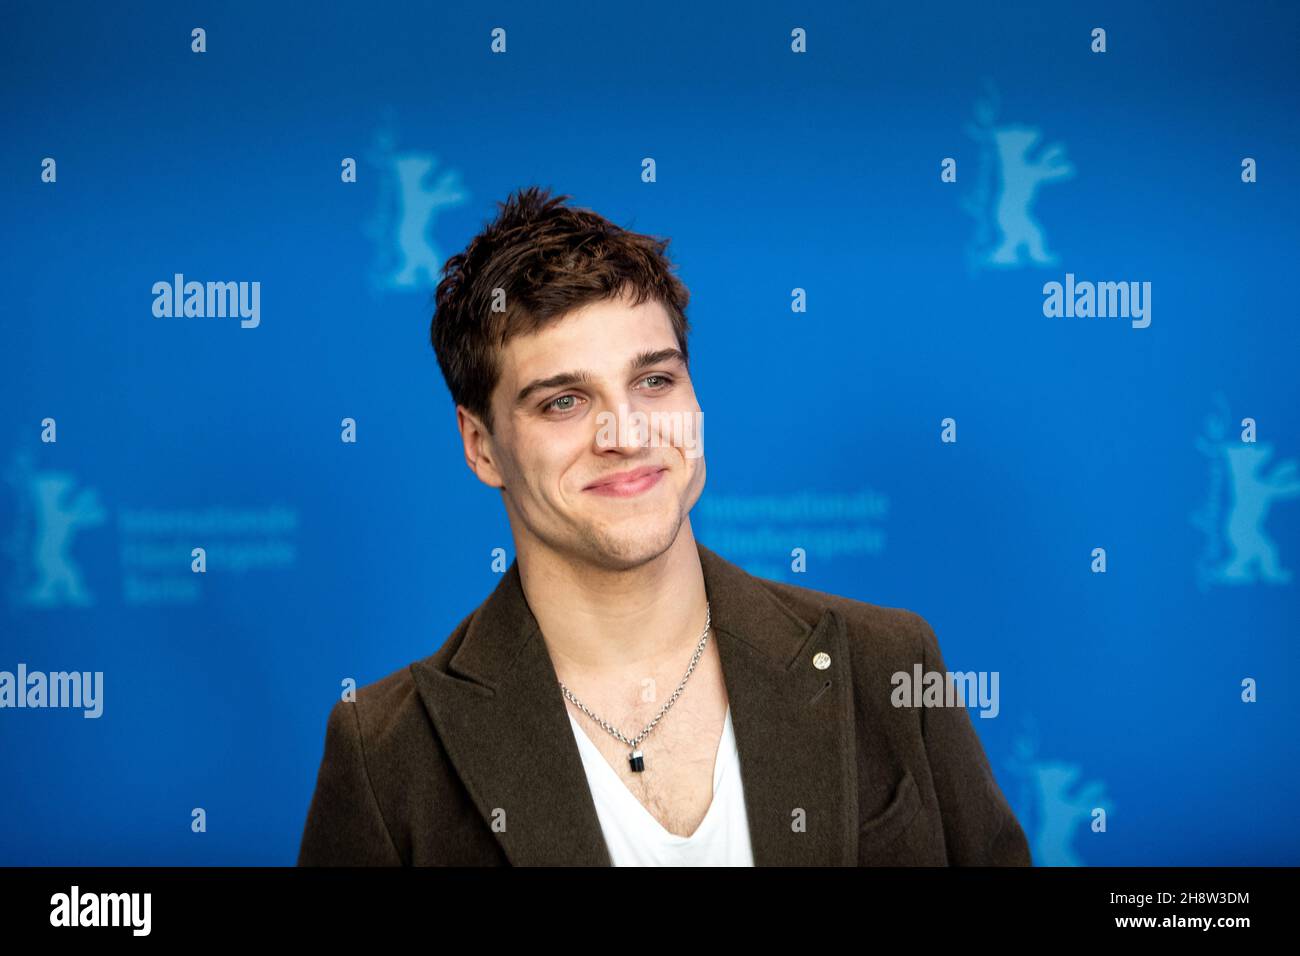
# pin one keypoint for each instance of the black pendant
(637, 761)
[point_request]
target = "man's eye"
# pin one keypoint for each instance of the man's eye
(553, 404)
(665, 381)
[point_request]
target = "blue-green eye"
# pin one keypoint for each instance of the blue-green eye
(552, 404)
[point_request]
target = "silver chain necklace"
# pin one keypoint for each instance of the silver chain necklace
(636, 758)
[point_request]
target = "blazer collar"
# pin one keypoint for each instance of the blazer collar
(501, 717)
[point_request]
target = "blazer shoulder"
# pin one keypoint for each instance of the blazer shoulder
(383, 704)
(385, 786)
(392, 702)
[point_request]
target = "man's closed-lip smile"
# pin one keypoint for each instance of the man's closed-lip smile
(625, 484)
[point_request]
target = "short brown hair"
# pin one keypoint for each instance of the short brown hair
(549, 259)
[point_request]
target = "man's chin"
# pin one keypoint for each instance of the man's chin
(625, 551)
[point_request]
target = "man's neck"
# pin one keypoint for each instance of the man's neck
(598, 621)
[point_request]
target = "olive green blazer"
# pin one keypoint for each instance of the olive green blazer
(467, 758)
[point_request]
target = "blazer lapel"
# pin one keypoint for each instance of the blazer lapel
(793, 721)
(501, 717)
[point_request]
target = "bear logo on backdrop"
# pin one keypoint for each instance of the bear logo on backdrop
(1240, 495)
(51, 512)
(411, 197)
(1058, 810)
(1008, 179)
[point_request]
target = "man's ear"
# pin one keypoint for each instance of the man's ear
(480, 454)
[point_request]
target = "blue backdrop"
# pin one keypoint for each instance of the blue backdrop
(920, 171)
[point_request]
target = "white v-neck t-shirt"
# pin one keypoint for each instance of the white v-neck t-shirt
(636, 838)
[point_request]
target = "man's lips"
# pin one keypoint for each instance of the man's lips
(628, 483)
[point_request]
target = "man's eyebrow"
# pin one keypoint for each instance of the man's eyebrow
(583, 376)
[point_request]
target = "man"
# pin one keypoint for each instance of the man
(625, 696)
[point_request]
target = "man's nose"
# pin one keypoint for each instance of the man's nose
(621, 424)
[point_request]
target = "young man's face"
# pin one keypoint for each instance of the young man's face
(557, 438)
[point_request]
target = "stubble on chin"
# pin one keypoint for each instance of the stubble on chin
(631, 549)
